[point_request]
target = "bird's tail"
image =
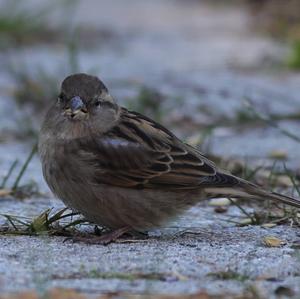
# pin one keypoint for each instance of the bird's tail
(262, 194)
(251, 191)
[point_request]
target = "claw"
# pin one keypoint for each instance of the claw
(104, 239)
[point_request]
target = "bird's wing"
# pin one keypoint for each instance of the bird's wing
(139, 152)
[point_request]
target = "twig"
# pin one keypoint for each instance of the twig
(271, 179)
(11, 222)
(271, 122)
(243, 210)
(10, 171)
(24, 167)
(292, 179)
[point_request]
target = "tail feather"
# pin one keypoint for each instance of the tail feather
(284, 198)
(248, 190)
(262, 194)
(227, 185)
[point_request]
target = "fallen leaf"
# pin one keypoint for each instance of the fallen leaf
(246, 221)
(5, 192)
(217, 202)
(278, 155)
(269, 225)
(281, 180)
(272, 241)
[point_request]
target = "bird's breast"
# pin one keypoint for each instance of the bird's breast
(62, 170)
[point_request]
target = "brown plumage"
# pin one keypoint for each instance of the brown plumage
(120, 168)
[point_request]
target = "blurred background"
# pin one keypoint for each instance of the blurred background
(223, 75)
(189, 62)
(199, 67)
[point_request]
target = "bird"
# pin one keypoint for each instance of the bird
(121, 169)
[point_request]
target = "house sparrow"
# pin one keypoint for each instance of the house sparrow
(121, 169)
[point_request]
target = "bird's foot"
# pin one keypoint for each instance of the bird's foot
(103, 239)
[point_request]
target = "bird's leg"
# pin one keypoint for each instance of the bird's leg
(98, 231)
(105, 238)
(112, 236)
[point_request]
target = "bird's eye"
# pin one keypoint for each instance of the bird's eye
(97, 103)
(60, 99)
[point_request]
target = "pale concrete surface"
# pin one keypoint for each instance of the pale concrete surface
(185, 264)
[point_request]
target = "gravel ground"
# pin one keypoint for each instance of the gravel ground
(169, 262)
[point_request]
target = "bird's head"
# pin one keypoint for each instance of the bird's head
(84, 97)
(84, 106)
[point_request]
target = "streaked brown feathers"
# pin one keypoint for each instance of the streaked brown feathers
(143, 154)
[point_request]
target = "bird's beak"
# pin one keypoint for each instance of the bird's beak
(76, 109)
(76, 104)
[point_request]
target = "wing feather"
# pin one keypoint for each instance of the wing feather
(138, 152)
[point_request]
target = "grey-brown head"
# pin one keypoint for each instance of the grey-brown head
(84, 102)
(83, 96)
